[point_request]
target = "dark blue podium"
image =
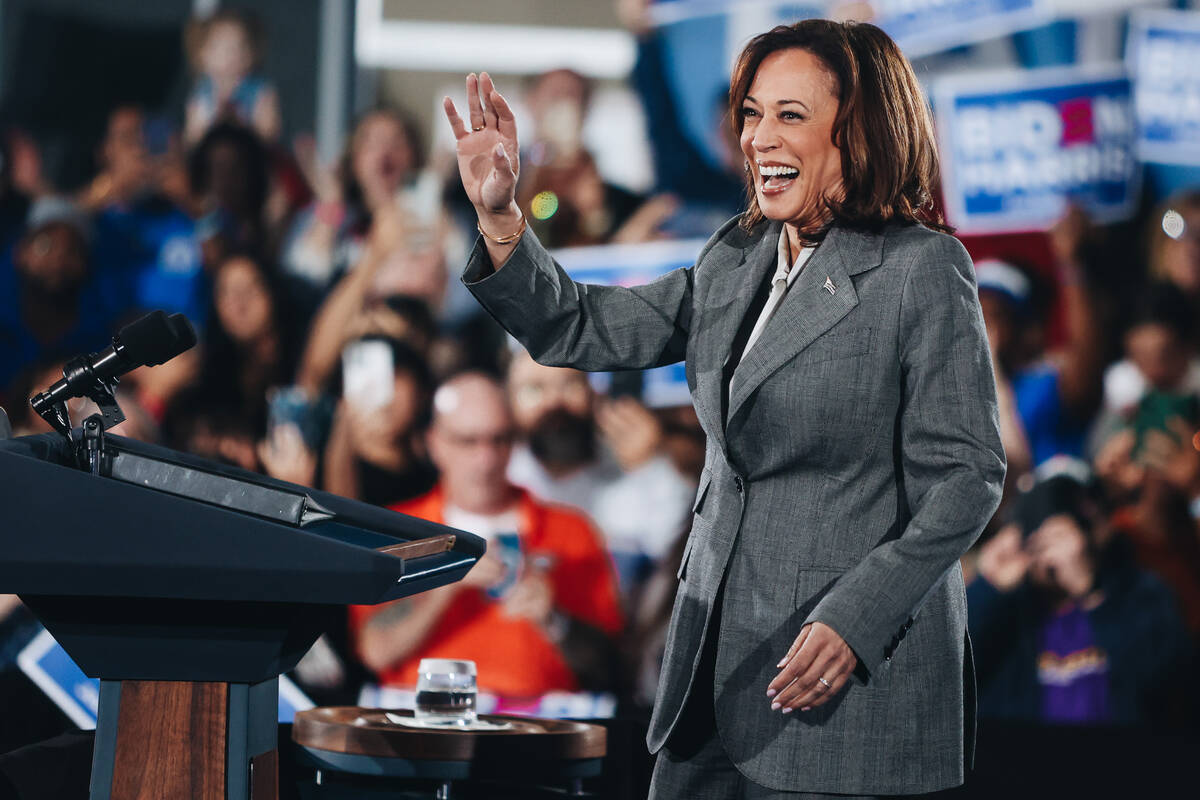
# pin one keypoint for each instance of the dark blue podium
(187, 587)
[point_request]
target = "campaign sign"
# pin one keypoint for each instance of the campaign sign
(46, 664)
(922, 27)
(1163, 55)
(633, 265)
(1018, 146)
(665, 12)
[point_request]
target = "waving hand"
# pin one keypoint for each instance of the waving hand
(488, 153)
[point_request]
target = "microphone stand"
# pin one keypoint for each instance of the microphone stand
(92, 452)
(89, 453)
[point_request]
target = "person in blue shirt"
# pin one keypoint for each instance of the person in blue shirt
(143, 241)
(51, 301)
(1055, 393)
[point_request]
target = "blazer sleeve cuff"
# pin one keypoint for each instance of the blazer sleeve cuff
(481, 276)
(509, 294)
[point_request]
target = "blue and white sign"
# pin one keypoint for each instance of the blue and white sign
(633, 265)
(1018, 146)
(46, 664)
(922, 27)
(1163, 55)
(666, 12)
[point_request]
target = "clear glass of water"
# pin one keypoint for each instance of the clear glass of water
(445, 691)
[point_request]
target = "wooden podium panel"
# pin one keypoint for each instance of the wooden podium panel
(171, 741)
(264, 776)
(193, 740)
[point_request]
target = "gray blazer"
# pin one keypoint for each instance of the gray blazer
(859, 458)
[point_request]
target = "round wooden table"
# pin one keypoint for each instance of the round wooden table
(360, 752)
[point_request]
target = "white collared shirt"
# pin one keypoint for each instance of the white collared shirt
(785, 274)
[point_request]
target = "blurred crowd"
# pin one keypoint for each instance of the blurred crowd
(338, 350)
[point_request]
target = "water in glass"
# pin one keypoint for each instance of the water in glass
(446, 691)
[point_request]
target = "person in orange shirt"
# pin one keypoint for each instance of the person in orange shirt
(538, 611)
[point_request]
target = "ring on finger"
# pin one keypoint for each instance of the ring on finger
(478, 128)
(826, 683)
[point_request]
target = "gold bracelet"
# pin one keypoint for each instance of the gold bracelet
(509, 239)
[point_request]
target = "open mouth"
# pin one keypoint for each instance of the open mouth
(777, 177)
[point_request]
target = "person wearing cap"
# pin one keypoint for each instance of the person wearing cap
(1066, 629)
(1054, 394)
(51, 304)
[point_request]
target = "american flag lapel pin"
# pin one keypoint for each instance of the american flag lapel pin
(829, 287)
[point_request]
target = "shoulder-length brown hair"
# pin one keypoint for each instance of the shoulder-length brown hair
(883, 126)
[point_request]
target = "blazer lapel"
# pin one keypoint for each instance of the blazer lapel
(821, 296)
(731, 292)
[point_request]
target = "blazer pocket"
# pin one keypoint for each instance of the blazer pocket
(839, 344)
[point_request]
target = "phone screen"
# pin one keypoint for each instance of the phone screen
(368, 379)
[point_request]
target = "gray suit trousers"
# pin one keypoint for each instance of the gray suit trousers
(710, 775)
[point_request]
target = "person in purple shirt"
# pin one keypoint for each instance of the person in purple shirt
(1066, 629)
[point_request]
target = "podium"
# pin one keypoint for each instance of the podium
(187, 587)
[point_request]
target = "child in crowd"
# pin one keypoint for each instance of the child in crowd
(226, 50)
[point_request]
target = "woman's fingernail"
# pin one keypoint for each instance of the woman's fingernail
(787, 711)
(771, 692)
(807, 708)
(782, 661)
(774, 706)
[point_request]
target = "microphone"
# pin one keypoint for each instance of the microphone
(149, 341)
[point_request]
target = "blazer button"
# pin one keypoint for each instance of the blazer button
(737, 484)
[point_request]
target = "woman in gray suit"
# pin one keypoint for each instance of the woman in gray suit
(837, 360)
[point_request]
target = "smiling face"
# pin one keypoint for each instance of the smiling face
(381, 158)
(227, 55)
(787, 120)
(242, 301)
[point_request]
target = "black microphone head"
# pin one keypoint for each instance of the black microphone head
(155, 338)
(185, 334)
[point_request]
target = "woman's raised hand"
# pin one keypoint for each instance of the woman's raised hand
(488, 154)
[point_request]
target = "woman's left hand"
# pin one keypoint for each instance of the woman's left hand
(818, 652)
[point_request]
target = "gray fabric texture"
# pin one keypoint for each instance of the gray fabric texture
(858, 459)
(710, 775)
